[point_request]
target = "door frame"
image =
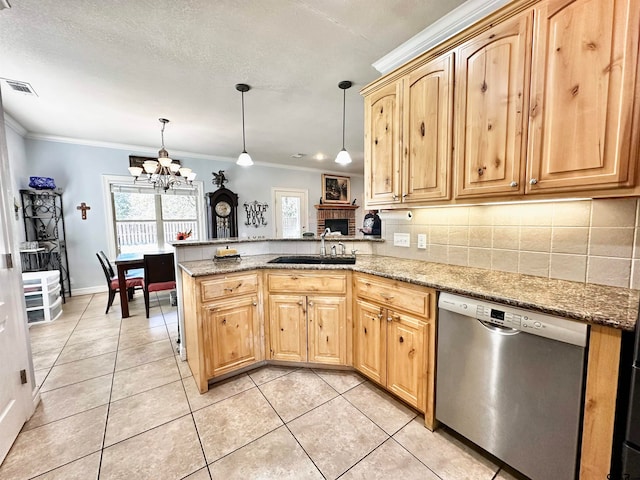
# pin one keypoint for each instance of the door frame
(304, 207)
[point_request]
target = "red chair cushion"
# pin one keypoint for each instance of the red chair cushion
(158, 286)
(131, 283)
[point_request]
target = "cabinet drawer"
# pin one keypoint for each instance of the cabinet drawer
(227, 286)
(307, 283)
(394, 294)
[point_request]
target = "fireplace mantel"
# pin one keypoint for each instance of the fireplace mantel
(329, 206)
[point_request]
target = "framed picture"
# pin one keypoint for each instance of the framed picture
(138, 161)
(336, 189)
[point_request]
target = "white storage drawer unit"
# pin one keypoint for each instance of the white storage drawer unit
(42, 295)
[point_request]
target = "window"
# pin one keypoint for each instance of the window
(290, 211)
(141, 219)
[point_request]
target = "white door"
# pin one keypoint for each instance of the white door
(290, 212)
(16, 402)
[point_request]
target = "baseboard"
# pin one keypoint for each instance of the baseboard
(76, 292)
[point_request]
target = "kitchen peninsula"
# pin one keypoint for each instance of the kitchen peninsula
(210, 287)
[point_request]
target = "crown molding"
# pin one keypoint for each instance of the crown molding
(442, 29)
(174, 153)
(13, 124)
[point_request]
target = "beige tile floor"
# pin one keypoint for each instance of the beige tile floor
(118, 404)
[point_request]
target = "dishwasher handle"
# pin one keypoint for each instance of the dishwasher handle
(499, 329)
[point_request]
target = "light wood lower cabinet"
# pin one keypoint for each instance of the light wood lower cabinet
(223, 324)
(231, 335)
(308, 317)
(393, 347)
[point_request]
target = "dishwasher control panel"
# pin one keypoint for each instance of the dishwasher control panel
(514, 319)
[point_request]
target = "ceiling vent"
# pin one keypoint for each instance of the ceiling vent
(21, 87)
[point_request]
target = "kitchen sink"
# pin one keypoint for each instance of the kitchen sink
(315, 259)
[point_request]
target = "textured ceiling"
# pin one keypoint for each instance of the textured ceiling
(107, 70)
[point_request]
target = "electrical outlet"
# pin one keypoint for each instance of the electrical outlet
(401, 239)
(422, 240)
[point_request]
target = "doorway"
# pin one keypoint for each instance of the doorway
(290, 212)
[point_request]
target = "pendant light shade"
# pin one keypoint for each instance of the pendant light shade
(343, 157)
(244, 159)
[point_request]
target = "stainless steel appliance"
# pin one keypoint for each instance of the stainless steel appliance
(511, 381)
(631, 446)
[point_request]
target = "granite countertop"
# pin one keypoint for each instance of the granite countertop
(597, 304)
(229, 241)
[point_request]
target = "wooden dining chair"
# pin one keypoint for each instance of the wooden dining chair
(159, 274)
(113, 285)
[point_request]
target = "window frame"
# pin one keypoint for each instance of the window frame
(110, 180)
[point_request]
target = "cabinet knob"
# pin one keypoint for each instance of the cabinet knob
(513, 184)
(311, 304)
(422, 129)
(254, 303)
(533, 181)
(389, 319)
(380, 316)
(405, 195)
(401, 340)
(299, 302)
(395, 197)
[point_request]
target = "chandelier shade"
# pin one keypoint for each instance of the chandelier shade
(163, 173)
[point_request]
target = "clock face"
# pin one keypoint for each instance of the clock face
(223, 209)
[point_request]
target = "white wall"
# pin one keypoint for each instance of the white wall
(78, 169)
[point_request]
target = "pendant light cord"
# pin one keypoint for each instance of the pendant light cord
(344, 96)
(162, 133)
(244, 147)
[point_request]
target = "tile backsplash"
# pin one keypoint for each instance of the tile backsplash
(594, 241)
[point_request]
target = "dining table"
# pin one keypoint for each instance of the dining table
(124, 263)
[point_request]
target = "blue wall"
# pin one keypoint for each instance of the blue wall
(78, 169)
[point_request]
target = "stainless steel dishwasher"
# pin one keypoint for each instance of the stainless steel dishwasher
(511, 381)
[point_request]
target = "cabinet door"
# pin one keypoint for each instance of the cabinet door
(288, 328)
(231, 336)
(582, 95)
(382, 132)
(327, 320)
(370, 341)
(427, 131)
(492, 90)
(406, 364)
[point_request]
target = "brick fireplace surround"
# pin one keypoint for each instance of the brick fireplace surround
(329, 211)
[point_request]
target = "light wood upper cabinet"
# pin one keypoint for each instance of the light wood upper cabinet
(491, 103)
(382, 116)
(408, 137)
(427, 132)
(582, 89)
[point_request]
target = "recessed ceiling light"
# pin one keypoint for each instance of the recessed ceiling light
(298, 155)
(320, 156)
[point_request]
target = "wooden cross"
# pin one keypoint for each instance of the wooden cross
(84, 207)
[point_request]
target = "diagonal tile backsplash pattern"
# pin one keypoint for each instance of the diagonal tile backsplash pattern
(593, 241)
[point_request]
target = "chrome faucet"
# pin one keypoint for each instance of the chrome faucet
(343, 248)
(323, 251)
(333, 250)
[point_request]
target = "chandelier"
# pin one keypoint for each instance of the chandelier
(164, 173)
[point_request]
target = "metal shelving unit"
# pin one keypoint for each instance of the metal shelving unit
(44, 223)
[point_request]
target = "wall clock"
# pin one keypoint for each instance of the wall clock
(222, 207)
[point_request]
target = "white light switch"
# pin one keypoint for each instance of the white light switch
(422, 240)
(401, 239)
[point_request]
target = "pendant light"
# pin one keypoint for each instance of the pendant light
(244, 159)
(343, 157)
